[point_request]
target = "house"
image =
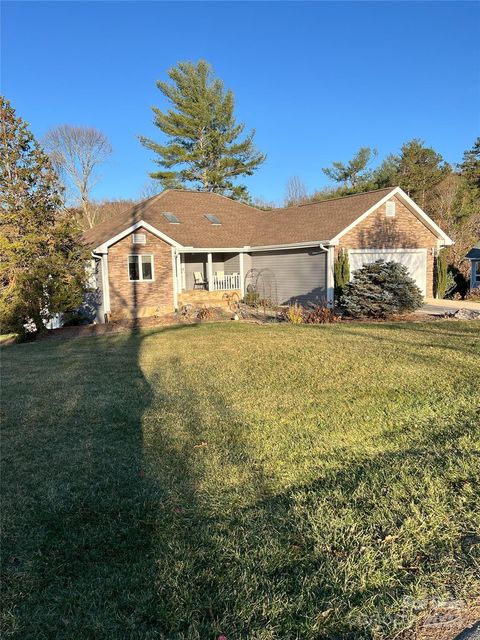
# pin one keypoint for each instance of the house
(474, 256)
(186, 246)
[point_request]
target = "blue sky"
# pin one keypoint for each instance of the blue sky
(316, 80)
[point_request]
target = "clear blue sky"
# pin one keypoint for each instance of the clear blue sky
(316, 80)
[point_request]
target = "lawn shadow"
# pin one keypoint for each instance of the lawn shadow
(81, 516)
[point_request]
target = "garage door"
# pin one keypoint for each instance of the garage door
(414, 259)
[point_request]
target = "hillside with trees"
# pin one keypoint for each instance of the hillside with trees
(449, 194)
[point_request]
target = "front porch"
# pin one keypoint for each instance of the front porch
(203, 278)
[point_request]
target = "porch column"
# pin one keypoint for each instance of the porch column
(174, 280)
(330, 277)
(242, 274)
(209, 271)
(106, 285)
(179, 272)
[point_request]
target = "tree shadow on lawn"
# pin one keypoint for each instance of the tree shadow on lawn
(118, 525)
(79, 511)
(312, 561)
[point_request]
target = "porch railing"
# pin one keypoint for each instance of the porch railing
(226, 282)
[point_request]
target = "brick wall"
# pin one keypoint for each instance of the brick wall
(140, 299)
(404, 231)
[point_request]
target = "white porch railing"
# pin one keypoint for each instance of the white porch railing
(226, 282)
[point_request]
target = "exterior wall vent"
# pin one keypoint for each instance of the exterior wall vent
(139, 238)
(390, 209)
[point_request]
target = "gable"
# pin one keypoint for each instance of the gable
(379, 231)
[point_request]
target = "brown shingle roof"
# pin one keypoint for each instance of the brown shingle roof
(241, 225)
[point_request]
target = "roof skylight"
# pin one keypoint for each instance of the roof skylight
(213, 219)
(171, 217)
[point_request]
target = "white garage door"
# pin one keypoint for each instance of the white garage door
(414, 259)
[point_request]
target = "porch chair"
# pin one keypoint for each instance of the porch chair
(198, 280)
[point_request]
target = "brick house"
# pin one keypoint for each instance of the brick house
(187, 246)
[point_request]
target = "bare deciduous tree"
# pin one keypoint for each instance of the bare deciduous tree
(150, 189)
(76, 153)
(295, 192)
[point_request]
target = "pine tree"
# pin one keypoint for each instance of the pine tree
(354, 173)
(203, 149)
(470, 167)
(420, 170)
(379, 290)
(43, 263)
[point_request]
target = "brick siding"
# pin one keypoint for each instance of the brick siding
(404, 231)
(140, 299)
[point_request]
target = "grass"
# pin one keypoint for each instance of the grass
(261, 482)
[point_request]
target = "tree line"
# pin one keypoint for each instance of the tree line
(449, 194)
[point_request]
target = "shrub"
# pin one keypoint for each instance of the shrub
(473, 295)
(320, 315)
(205, 313)
(341, 272)
(381, 289)
(441, 264)
(251, 298)
(294, 314)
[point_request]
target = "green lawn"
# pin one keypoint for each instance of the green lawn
(261, 482)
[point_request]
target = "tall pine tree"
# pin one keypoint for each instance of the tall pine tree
(203, 150)
(43, 263)
(420, 170)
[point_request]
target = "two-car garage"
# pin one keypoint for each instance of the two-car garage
(414, 259)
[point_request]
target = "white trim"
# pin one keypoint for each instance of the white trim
(330, 276)
(174, 281)
(387, 250)
(178, 267)
(419, 213)
(242, 273)
(249, 249)
(183, 249)
(210, 271)
(103, 248)
(184, 275)
(106, 285)
(140, 272)
(291, 245)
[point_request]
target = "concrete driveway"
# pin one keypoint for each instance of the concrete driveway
(441, 307)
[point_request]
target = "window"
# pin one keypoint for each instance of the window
(139, 238)
(390, 209)
(171, 217)
(140, 268)
(213, 219)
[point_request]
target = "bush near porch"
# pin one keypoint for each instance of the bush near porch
(264, 482)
